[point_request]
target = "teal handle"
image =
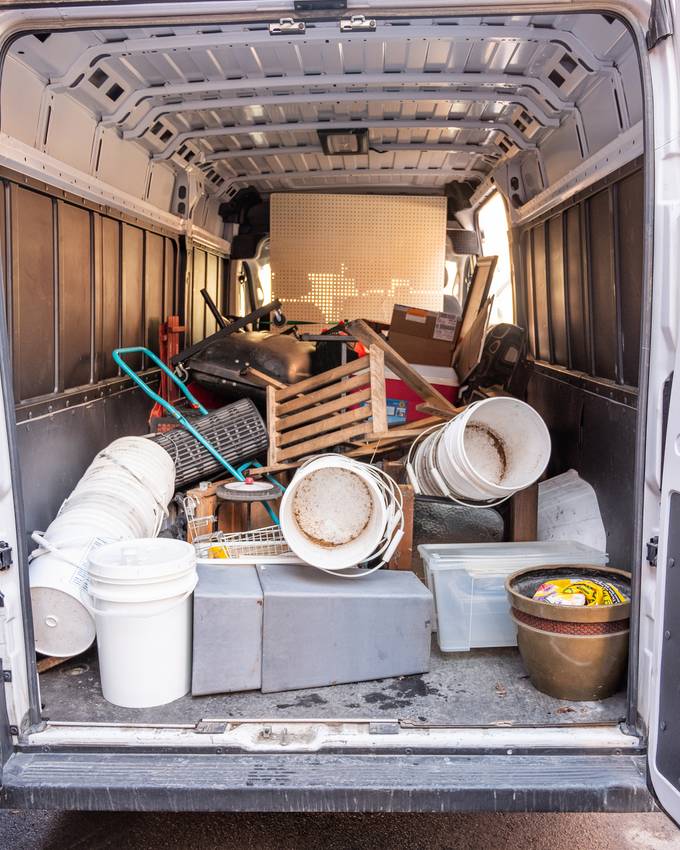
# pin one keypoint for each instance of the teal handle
(129, 371)
(183, 421)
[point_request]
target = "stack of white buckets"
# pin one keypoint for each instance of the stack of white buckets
(138, 599)
(497, 447)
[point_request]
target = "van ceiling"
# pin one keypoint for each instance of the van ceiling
(443, 100)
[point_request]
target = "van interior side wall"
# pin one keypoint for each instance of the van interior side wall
(580, 296)
(79, 283)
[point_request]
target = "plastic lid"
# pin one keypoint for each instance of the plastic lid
(148, 558)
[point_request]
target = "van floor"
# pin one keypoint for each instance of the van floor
(481, 687)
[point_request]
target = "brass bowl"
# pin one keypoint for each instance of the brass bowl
(570, 653)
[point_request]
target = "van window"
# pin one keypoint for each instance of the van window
(493, 227)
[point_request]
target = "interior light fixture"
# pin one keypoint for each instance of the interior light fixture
(344, 142)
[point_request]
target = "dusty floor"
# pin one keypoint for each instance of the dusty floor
(483, 686)
(94, 831)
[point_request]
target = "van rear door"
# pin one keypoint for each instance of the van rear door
(664, 732)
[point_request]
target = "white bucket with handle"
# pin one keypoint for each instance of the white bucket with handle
(338, 512)
(493, 449)
(139, 593)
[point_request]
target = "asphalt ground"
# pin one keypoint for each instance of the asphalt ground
(38, 830)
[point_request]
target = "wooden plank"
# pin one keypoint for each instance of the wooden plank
(395, 469)
(317, 381)
(332, 423)
(271, 424)
(524, 515)
(394, 434)
(403, 557)
(252, 372)
(397, 364)
(257, 471)
(378, 400)
(51, 661)
(206, 507)
(437, 412)
(319, 411)
(304, 401)
(325, 442)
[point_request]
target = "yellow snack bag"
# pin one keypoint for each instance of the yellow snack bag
(578, 592)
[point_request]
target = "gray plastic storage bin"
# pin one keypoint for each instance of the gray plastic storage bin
(323, 630)
(227, 654)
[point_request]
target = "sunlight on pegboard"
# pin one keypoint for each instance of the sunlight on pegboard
(339, 257)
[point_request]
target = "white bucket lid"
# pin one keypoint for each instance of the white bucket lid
(142, 560)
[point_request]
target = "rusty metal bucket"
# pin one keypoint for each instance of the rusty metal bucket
(571, 653)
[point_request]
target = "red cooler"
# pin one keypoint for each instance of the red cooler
(402, 401)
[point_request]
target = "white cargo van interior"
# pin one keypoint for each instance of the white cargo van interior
(123, 150)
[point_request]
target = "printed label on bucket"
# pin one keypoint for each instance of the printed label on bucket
(80, 575)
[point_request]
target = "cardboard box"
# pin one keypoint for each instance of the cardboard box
(423, 336)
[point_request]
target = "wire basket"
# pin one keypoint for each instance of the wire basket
(246, 545)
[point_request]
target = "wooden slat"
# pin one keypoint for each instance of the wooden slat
(325, 442)
(257, 471)
(394, 434)
(378, 400)
(271, 424)
(524, 515)
(403, 557)
(319, 411)
(397, 364)
(349, 384)
(331, 423)
(52, 661)
(252, 372)
(321, 380)
(438, 412)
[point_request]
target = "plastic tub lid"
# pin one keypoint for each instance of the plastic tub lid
(139, 560)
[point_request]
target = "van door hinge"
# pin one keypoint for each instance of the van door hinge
(287, 26)
(358, 23)
(6, 559)
(652, 551)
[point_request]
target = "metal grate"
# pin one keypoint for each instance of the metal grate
(260, 543)
(237, 431)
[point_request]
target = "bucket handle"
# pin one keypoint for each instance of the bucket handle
(122, 611)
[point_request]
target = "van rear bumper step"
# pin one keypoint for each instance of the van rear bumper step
(325, 783)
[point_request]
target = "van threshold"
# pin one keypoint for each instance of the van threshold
(290, 735)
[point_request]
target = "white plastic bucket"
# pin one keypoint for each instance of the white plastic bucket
(497, 447)
(334, 513)
(140, 595)
(62, 625)
(122, 495)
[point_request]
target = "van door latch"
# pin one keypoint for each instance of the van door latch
(6, 559)
(287, 26)
(358, 23)
(652, 551)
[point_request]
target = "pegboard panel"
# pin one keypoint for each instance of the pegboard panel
(354, 256)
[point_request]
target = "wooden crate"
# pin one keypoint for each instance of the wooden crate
(326, 410)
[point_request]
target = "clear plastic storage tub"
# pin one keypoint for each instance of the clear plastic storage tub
(468, 584)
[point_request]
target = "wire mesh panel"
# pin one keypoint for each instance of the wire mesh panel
(259, 543)
(342, 256)
(237, 431)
